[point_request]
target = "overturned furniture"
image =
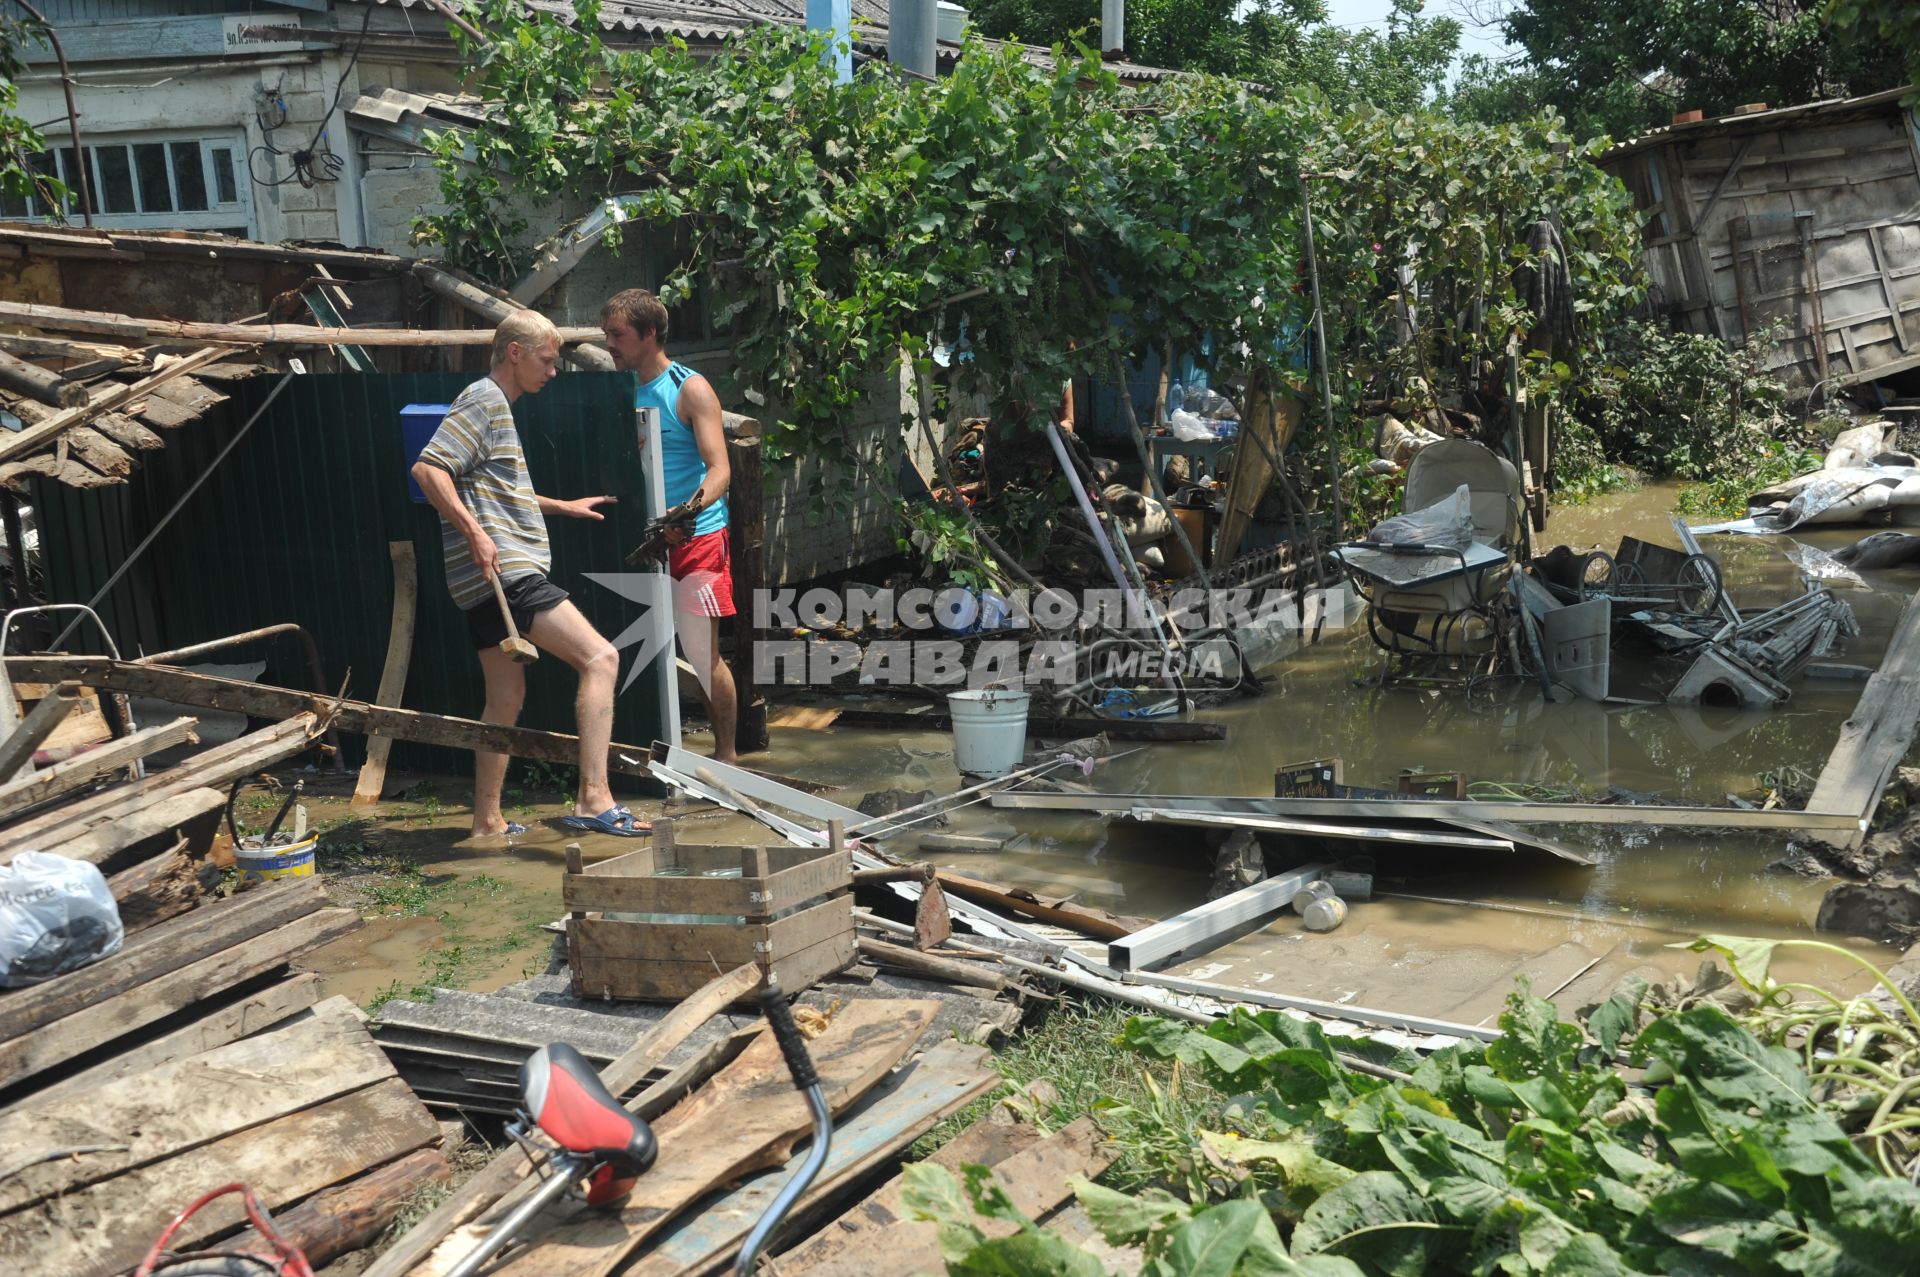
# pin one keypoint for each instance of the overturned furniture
(1429, 601)
(653, 924)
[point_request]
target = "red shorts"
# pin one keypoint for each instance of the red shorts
(702, 572)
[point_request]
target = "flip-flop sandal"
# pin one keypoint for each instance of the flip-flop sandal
(615, 820)
(515, 827)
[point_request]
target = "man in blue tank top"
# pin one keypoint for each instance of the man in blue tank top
(693, 451)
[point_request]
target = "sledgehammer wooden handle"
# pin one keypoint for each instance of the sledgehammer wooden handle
(514, 646)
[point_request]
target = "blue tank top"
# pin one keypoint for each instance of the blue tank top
(682, 467)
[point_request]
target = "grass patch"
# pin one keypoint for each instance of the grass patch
(1075, 1051)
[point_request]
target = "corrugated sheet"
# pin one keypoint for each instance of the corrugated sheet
(294, 526)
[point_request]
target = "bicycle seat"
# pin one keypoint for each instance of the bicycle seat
(566, 1098)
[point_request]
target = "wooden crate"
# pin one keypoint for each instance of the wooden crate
(790, 910)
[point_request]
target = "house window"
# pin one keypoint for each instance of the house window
(149, 181)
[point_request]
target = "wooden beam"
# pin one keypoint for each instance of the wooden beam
(38, 383)
(129, 328)
(37, 347)
(1876, 735)
(65, 777)
(208, 692)
(393, 674)
(16, 751)
(168, 815)
(33, 438)
(350, 1217)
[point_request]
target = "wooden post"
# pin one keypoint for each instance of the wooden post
(487, 306)
(393, 678)
(747, 529)
(576, 864)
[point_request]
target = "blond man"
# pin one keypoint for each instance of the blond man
(492, 523)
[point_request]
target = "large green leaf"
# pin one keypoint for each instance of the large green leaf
(1378, 1219)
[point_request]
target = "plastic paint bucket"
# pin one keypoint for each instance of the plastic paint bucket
(286, 860)
(989, 730)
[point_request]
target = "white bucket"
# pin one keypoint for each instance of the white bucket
(989, 730)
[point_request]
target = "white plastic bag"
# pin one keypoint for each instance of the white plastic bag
(1448, 523)
(55, 914)
(1188, 428)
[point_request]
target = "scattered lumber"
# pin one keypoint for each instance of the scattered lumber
(932, 966)
(36, 437)
(16, 749)
(873, 1135)
(1097, 923)
(511, 1166)
(209, 692)
(159, 888)
(876, 1238)
(324, 1131)
(494, 309)
(65, 777)
(747, 1119)
(1876, 735)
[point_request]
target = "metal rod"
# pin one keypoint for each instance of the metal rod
(1093, 520)
(316, 672)
(567, 1169)
(1320, 343)
(16, 751)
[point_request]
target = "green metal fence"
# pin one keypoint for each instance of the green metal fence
(294, 526)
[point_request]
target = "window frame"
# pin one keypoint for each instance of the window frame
(235, 215)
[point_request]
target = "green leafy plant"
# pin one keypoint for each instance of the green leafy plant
(1533, 1154)
(949, 550)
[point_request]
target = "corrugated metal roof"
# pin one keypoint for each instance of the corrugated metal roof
(1759, 121)
(710, 21)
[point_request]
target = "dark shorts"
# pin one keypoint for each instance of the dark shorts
(527, 597)
(702, 572)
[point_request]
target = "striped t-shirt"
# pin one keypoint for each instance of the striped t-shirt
(478, 445)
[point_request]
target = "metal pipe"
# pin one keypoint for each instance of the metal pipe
(315, 671)
(73, 111)
(1320, 344)
(1093, 520)
(564, 1171)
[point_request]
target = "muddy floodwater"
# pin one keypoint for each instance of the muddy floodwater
(1319, 703)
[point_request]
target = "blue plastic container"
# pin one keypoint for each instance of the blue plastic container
(418, 421)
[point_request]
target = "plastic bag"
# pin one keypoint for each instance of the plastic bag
(1211, 403)
(56, 914)
(1447, 523)
(1188, 428)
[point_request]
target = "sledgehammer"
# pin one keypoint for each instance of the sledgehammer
(517, 649)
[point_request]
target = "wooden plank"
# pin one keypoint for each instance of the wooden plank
(210, 767)
(805, 717)
(511, 1166)
(66, 319)
(154, 999)
(1877, 734)
(747, 1119)
(1198, 929)
(168, 815)
(931, 966)
(886, 1124)
(106, 1228)
(208, 692)
(159, 888)
(877, 1239)
(38, 383)
(393, 675)
(180, 1106)
(229, 1023)
(65, 777)
(1547, 973)
(162, 949)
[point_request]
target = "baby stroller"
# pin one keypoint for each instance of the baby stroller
(1429, 601)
